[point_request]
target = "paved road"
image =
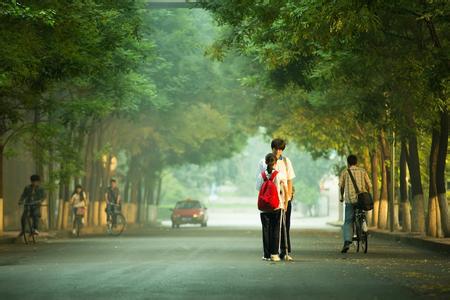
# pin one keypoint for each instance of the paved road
(217, 263)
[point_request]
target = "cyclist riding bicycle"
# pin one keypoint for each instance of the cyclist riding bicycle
(113, 201)
(78, 202)
(32, 198)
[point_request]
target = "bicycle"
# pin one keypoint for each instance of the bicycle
(360, 230)
(79, 214)
(28, 233)
(116, 221)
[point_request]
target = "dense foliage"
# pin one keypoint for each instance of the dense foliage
(347, 76)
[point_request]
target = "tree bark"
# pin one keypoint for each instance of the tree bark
(383, 202)
(159, 189)
(440, 173)
(126, 190)
(433, 219)
(405, 205)
(2, 150)
(375, 187)
(418, 205)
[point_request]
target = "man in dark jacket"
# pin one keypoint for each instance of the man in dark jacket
(113, 200)
(32, 198)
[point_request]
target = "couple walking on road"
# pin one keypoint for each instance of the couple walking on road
(274, 183)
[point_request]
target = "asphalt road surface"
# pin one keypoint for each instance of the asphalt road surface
(218, 263)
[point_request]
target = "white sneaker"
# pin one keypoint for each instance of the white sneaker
(275, 257)
(287, 257)
(265, 258)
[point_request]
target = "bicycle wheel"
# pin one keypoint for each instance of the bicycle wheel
(118, 225)
(26, 231)
(364, 241)
(358, 234)
(31, 237)
(77, 226)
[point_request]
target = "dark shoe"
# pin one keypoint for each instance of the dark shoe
(346, 247)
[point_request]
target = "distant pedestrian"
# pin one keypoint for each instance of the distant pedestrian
(349, 195)
(286, 170)
(113, 200)
(270, 219)
(32, 197)
(78, 202)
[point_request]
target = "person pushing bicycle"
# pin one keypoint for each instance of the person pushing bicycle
(32, 197)
(349, 194)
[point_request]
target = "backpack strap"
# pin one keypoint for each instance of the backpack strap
(354, 181)
(263, 175)
(274, 174)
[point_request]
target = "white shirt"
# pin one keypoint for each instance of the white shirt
(76, 200)
(285, 173)
(280, 166)
(278, 181)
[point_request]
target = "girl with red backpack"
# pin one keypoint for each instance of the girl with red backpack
(271, 200)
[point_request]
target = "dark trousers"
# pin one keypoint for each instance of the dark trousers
(35, 213)
(288, 227)
(270, 222)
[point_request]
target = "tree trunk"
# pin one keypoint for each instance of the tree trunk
(440, 173)
(159, 189)
(433, 219)
(418, 205)
(405, 205)
(139, 199)
(2, 150)
(375, 188)
(383, 210)
(126, 190)
(388, 165)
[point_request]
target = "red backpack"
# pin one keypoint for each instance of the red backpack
(268, 199)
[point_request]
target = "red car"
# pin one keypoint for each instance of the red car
(189, 212)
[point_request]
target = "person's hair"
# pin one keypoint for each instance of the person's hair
(352, 160)
(278, 144)
(112, 180)
(35, 178)
(270, 159)
(78, 186)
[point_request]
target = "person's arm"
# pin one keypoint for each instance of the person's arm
(259, 182)
(341, 187)
(285, 195)
(290, 174)
(107, 197)
(84, 199)
(22, 197)
(289, 189)
(119, 199)
(72, 199)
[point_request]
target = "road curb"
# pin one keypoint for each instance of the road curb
(12, 237)
(417, 240)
